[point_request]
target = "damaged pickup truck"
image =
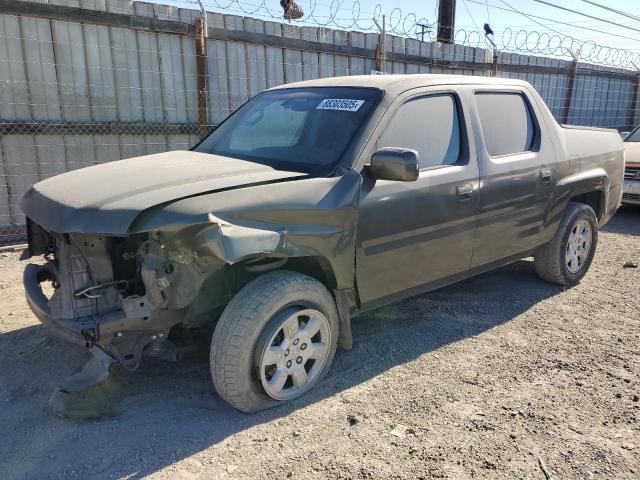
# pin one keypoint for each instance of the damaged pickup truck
(312, 202)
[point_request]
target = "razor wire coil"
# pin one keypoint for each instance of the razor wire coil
(338, 15)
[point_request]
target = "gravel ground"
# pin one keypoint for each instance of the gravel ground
(476, 380)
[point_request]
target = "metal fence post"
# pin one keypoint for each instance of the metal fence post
(494, 64)
(381, 48)
(201, 75)
(494, 60)
(569, 96)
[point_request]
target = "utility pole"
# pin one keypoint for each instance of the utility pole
(424, 28)
(446, 20)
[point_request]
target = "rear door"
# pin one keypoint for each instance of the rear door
(517, 174)
(412, 234)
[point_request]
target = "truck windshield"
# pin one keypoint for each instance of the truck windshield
(299, 129)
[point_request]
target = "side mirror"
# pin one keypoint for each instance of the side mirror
(391, 163)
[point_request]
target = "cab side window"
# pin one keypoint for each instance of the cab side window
(431, 126)
(506, 123)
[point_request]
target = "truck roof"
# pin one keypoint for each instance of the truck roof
(399, 83)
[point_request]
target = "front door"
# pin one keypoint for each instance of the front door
(413, 234)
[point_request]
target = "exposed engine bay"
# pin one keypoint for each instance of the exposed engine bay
(123, 294)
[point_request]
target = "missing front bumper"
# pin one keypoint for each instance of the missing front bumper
(122, 337)
(71, 330)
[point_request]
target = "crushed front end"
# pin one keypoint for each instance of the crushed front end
(120, 294)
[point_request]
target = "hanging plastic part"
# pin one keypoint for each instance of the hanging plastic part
(88, 393)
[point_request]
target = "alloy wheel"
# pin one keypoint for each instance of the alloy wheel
(294, 356)
(578, 245)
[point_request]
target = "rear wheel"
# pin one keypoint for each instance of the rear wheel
(274, 342)
(567, 257)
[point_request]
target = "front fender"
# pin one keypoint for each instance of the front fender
(305, 217)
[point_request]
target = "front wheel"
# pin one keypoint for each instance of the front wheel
(274, 341)
(567, 257)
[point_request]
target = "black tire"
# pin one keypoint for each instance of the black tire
(244, 327)
(550, 260)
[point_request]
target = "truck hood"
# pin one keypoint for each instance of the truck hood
(106, 198)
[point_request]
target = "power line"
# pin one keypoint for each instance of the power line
(531, 17)
(614, 10)
(580, 42)
(586, 15)
(506, 23)
(464, 2)
(481, 2)
(473, 20)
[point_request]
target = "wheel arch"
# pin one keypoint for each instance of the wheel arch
(589, 187)
(595, 199)
(314, 266)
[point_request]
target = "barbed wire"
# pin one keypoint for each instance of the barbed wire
(333, 15)
(543, 43)
(534, 42)
(398, 22)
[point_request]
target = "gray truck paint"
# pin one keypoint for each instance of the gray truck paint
(200, 229)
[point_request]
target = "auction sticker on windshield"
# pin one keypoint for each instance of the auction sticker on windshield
(344, 104)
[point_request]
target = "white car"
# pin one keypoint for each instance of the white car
(631, 189)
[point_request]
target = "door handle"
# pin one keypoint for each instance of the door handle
(465, 192)
(545, 175)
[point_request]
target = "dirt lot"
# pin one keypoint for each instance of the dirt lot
(477, 380)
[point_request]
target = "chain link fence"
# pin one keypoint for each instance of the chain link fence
(90, 81)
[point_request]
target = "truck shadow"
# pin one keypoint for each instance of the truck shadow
(171, 411)
(626, 221)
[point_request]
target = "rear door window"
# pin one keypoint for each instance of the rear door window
(506, 121)
(431, 126)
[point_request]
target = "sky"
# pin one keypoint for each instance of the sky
(608, 34)
(604, 28)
